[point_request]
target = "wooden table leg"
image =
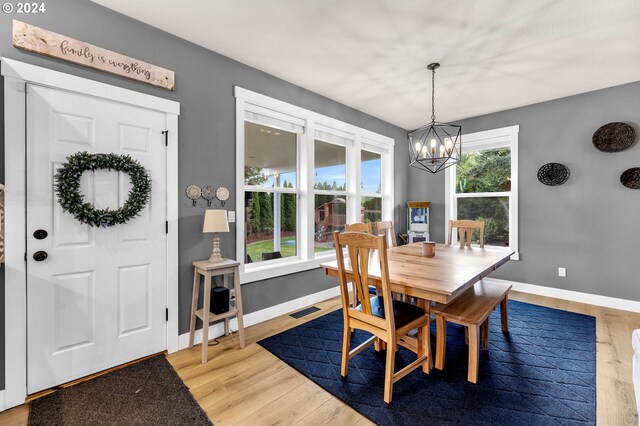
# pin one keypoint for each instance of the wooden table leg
(194, 305)
(236, 286)
(504, 313)
(474, 352)
(441, 341)
(424, 347)
(226, 320)
(206, 292)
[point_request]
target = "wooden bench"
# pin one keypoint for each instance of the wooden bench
(472, 310)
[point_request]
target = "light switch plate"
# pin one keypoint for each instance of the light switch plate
(562, 272)
(232, 217)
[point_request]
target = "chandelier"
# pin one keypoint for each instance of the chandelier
(435, 146)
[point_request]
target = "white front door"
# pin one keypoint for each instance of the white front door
(99, 298)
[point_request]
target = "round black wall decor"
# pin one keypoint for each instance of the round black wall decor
(67, 186)
(553, 174)
(631, 178)
(614, 137)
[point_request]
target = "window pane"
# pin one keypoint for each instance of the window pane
(494, 211)
(371, 173)
(266, 236)
(330, 166)
(269, 157)
(484, 171)
(371, 209)
(330, 215)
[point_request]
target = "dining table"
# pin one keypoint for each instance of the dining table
(440, 278)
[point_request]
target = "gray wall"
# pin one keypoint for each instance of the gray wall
(588, 225)
(204, 87)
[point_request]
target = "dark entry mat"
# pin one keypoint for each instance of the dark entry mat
(146, 393)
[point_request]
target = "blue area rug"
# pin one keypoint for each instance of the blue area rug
(542, 373)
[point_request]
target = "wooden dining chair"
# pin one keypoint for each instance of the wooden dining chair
(366, 228)
(386, 227)
(358, 227)
(386, 319)
(271, 255)
(465, 231)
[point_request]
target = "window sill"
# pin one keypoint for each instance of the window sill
(259, 273)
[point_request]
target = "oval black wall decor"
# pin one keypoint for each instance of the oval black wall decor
(631, 178)
(553, 174)
(614, 137)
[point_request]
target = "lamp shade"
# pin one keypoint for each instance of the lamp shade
(215, 221)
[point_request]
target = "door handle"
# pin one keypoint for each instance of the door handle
(39, 256)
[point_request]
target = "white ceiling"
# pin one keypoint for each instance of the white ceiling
(372, 54)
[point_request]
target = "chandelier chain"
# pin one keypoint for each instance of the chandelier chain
(433, 95)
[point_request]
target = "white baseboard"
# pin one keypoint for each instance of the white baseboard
(3, 401)
(266, 314)
(216, 330)
(573, 296)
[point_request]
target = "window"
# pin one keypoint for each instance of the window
(370, 187)
(330, 193)
(270, 183)
(483, 185)
(302, 176)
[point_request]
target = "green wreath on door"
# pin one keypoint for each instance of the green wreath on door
(67, 187)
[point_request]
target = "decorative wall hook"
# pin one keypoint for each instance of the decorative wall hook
(222, 194)
(193, 192)
(208, 193)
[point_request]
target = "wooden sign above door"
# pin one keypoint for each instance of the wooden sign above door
(44, 42)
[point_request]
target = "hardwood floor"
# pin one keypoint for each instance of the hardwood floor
(252, 386)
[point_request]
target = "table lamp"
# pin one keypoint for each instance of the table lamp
(215, 221)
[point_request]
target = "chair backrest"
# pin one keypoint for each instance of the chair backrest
(271, 255)
(364, 252)
(386, 227)
(465, 231)
(359, 227)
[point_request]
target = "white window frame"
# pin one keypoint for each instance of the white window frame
(315, 126)
(505, 137)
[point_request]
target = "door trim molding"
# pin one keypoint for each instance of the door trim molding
(61, 81)
(16, 76)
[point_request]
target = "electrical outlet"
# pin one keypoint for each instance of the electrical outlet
(232, 217)
(562, 272)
